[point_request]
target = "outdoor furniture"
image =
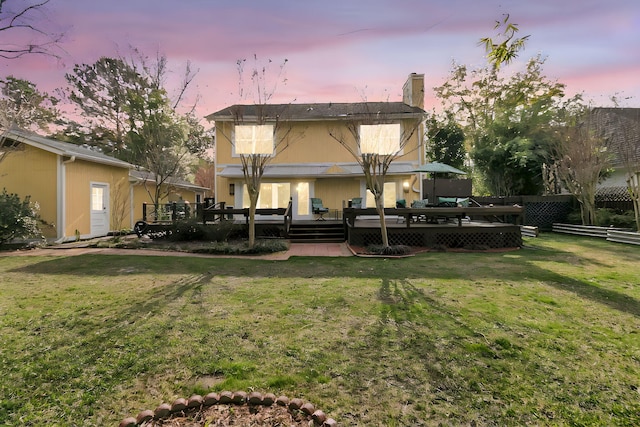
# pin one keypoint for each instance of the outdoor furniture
(401, 204)
(318, 208)
(419, 204)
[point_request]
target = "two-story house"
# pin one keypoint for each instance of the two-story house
(307, 162)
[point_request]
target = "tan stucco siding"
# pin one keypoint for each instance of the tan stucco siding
(78, 178)
(222, 190)
(33, 172)
(311, 142)
(335, 191)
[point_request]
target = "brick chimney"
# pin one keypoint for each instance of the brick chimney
(413, 90)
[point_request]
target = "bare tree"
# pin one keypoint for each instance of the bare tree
(20, 22)
(621, 128)
(375, 137)
(120, 206)
(261, 130)
(582, 158)
(127, 111)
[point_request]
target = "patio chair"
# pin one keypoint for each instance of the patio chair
(419, 204)
(401, 204)
(318, 209)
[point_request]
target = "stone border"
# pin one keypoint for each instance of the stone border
(181, 405)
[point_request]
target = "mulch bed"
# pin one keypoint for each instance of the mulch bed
(242, 415)
(232, 409)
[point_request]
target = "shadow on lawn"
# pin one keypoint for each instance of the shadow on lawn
(614, 299)
(430, 267)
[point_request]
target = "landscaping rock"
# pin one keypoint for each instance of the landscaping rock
(283, 401)
(128, 422)
(211, 399)
(295, 404)
(319, 417)
(308, 408)
(179, 405)
(239, 397)
(226, 397)
(268, 399)
(195, 401)
(144, 416)
(254, 398)
(162, 411)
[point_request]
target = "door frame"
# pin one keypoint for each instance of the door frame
(95, 229)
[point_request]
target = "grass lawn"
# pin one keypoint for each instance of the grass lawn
(546, 335)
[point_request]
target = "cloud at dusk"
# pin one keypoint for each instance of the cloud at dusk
(341, 51)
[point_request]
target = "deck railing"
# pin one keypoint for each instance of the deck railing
(413, 215)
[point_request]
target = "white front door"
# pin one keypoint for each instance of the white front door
(301, 200)
(99, 209)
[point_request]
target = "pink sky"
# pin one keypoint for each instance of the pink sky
(346, 50)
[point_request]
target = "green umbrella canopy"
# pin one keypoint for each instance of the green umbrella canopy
(437, 167)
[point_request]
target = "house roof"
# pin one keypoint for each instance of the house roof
(63, 148)
(621, 127)
(313, 112)
(319, 170)
(142, 175)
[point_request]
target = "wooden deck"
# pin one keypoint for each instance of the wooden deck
(486, 226)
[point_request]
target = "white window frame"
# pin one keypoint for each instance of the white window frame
(259, 134)
(385, 139)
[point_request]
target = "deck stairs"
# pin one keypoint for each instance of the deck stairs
(317, 232)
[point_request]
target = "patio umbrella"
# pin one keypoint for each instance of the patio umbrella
(435, 168)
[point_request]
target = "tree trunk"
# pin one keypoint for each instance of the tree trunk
(587, 210)
(633, 186)
(253, 203)
(383, 223)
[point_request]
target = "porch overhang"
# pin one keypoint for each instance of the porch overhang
(317, 171)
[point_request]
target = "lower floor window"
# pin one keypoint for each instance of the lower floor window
(272, 195)
(389, 196)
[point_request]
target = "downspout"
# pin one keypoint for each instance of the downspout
(131, 205)
(421, 139)
(62, 198)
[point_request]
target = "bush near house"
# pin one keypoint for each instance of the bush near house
(607, 217)
(192, 230)
(18, 218)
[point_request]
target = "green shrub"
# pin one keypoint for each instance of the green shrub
(18, 218)
(606, 217)
(612, 218)
(242, 248)
(388, 250)
(191, 231)
(574, 217)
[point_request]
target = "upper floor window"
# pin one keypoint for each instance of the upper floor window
(254, 139)
(380, 139)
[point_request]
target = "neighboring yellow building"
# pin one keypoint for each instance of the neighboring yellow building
(309, 162)
(81, 193)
